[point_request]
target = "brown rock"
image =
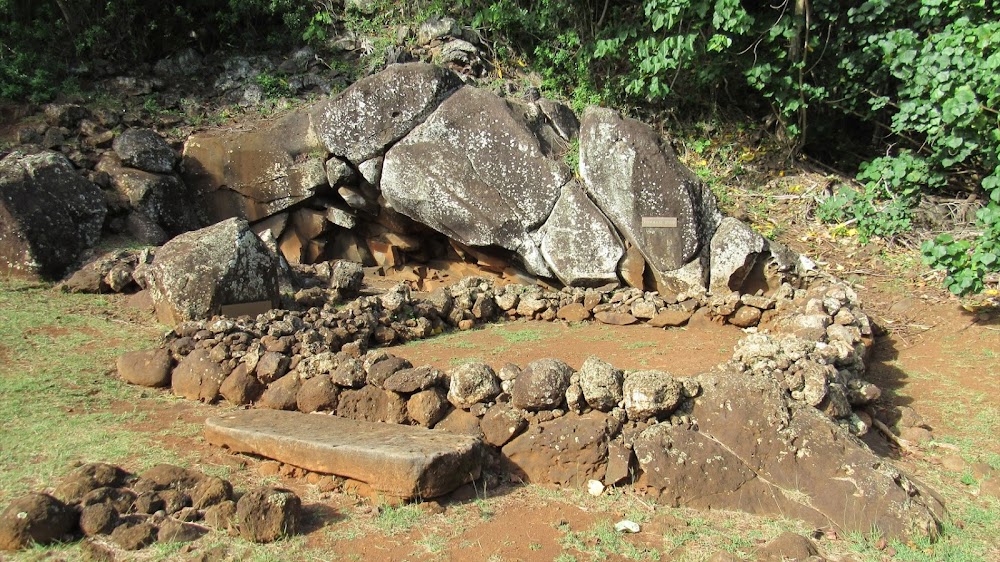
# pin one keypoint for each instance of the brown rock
(670, 318)
(460, 422)
(134, 536)
(575, 312)
(787, 546)
(917, 435)
(164, 476)
(382, 370)
(501, 424)
(197, 377)
(149, 367)
(370, 403)
(408, 381)
(172, 530)
(222, 516)
(281, 394)
(396, 460)
(87, 478)
(210, 491)
(568, 451)
(121, 499)
(426, 408)
(34, 518)
(745, 317)
(98, 519)
(632, 268)
(318, 394)
(615, 318)
(620, 465)
(241, 387)
(272, 366)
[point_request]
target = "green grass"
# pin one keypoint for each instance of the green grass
(394, 520)
(58, 350)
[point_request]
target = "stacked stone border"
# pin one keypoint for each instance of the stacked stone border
(797, 378)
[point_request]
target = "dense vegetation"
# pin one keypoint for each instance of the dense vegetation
(907, 92)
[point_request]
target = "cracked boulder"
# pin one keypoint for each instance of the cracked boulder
(656, 204)
(194, 275)
(578, 242)
(255, 174)
(477, 172)
(376, 111)
(753, 451)
(735, 249)
(49, 214)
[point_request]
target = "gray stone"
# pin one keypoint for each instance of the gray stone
(378, 110)
(145, 150)
(472, 383)
(476, 172)
(578, 242)
(630, 174)
(198, 272)
(541, 385)
(396, 461)
(49, 215)
(735, 249)
(601, 384)
(651, 393)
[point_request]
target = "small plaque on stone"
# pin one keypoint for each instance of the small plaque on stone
(659, 222)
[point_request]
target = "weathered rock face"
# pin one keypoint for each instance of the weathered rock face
(578, 243)
(161, 197)
(569, 450)
(198, 272)
(476, 172)
(255, 174)
(375, 112)
(752, 451)
(630, 175)
(49, 214)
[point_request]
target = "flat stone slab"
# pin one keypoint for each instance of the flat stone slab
(395, 460)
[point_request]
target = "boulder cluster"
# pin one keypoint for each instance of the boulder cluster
(165, 503)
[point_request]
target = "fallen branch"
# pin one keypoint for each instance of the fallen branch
(903, 444)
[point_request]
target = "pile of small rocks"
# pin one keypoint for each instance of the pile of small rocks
(163, 504)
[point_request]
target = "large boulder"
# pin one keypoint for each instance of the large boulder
(631, 176)
(49, 214)
(477, 172)
(162, 197)
(375, 112)
(578, 242)
(255, 174)
(198, 272)
(756, 451)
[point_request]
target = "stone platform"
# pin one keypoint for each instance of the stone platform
(395, 460)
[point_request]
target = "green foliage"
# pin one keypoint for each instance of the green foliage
(966, 263)
(273, 86)
(43, 39)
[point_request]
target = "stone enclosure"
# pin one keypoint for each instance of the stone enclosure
(272, 311)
